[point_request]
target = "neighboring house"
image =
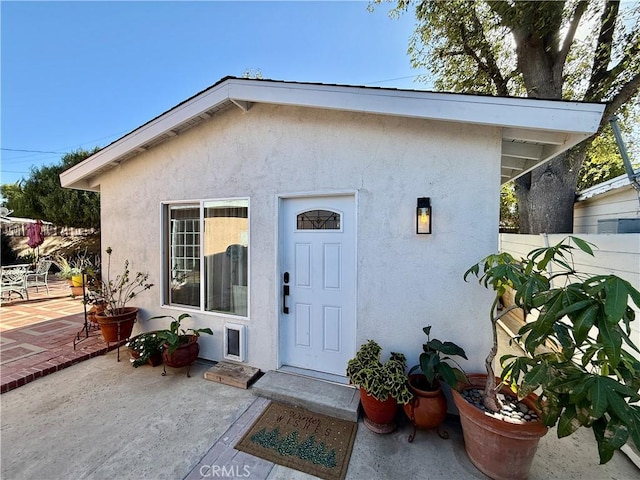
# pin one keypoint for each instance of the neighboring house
(608, 207)
(290, 209)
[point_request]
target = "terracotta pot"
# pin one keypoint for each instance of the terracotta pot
(77, 291)
(382, 413)
(76, 281)
(116, 328)
(427, 409)
(499, 449)
(154, 360)
(182, 356)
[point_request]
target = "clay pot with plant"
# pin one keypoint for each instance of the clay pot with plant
(589, 379)
(382, 385)
(428, 407)
(116, 320)
(179, 345)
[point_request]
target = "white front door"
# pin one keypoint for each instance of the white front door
(317, 279)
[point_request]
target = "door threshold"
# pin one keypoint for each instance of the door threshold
(303, 372)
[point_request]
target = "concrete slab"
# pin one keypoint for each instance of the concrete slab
(101, 419)
(340, 401)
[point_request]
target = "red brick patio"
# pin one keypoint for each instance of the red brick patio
(37, 336)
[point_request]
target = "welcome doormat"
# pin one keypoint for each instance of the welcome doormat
(301, 439)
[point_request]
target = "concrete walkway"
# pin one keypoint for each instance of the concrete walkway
(101, 419)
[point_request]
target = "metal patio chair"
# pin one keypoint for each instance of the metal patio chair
(14, 280)
(40, 276)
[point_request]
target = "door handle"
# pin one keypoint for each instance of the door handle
(285, 293)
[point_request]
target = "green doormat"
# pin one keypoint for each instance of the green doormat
(300, 439)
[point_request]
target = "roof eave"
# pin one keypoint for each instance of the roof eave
(527, 117)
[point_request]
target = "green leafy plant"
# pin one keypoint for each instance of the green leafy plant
(67, 270)
(175, 335)
(591, 379)
(145, 345)
(380, 380)
(434, 366)
(116, 293)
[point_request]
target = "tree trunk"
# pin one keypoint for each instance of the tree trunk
(547, 194)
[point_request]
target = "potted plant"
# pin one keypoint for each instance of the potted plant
(382, 386)
(428, 407)
(67, 270)
(145, 348)
(117, 319)
(590, 380)
(179, 346)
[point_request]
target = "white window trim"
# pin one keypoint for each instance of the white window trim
(163, 255)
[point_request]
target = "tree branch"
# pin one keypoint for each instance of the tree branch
(561, 57)
(625, 94)
(490, 65)
(599, 74)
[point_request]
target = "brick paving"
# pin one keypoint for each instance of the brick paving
(37, 335)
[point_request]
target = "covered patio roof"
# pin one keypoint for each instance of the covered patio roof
(533, 131)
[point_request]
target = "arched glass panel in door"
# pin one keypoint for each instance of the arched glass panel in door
(318, 220)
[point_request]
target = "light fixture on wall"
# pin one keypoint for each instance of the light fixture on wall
(423, 215)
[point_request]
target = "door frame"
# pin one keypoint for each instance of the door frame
(279, 269)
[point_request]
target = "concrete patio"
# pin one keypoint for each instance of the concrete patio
(103, 419)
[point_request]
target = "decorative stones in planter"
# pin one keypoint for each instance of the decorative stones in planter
(502, 449)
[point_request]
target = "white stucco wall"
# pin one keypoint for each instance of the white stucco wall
(405, 281)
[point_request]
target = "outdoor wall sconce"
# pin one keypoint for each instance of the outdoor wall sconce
(423, 215)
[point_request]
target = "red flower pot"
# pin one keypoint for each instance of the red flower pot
(380, 414)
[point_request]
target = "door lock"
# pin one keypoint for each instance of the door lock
(285, 293)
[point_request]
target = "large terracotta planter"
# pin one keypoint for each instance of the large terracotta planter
(183, 356)
(427, 409)
(116, 328)
(381, 415)
(499, 449)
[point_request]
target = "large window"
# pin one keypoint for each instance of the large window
(207, 255)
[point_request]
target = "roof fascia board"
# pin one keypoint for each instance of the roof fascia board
(495, 111)
(146, 133)
(513, 113)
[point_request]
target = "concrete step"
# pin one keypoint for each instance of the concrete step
(339, 401)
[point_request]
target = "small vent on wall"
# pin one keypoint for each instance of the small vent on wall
(234, 342)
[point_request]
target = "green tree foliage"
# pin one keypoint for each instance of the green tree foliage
(509, 221)
(40, 196)
(603, 161)
(535, 49)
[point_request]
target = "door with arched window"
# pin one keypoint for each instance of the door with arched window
(318, 283)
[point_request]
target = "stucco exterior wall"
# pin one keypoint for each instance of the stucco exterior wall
(404, 281)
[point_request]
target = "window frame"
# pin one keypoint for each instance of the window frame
(165, 253)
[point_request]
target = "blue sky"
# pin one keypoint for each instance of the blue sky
(82, 74)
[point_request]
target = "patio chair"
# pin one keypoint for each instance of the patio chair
(39, 276)
(14, 280)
